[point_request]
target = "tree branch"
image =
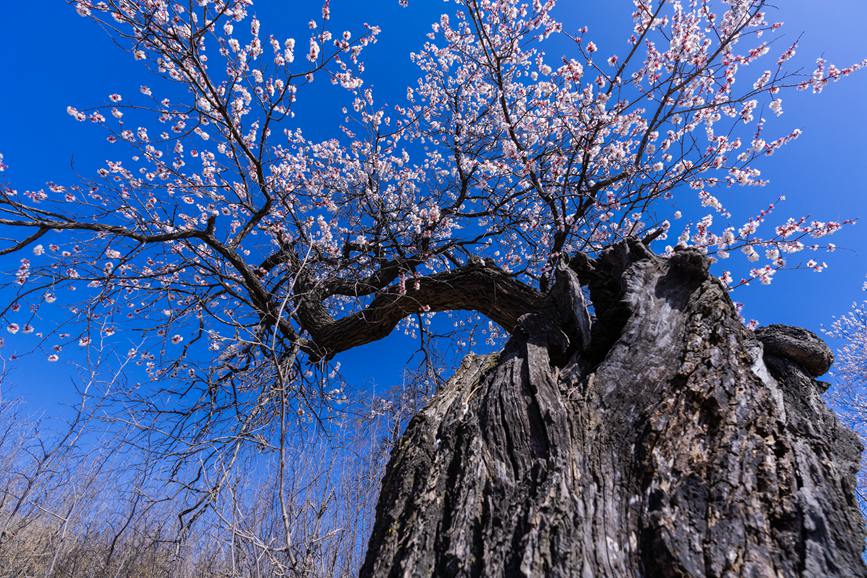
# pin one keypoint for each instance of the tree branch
(475, 287)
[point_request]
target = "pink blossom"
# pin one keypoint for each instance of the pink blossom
(76, 114)
(313, 53)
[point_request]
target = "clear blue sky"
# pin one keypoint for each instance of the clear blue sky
(50, 58)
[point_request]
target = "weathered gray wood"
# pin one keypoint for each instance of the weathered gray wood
(666, 445)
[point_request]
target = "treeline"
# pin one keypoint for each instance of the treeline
(91, 501)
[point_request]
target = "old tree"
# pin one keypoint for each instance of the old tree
(631, 426)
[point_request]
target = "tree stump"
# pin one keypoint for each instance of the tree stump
(662, 441)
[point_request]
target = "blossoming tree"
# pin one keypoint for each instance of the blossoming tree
(226, 219)
(254, 254)
(850, 371)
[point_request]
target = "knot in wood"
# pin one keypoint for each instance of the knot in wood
(800, 346)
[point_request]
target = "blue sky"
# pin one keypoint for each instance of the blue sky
(50, 58)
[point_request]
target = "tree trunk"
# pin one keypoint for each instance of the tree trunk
(663, 442)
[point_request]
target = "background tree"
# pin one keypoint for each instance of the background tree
(850, 371)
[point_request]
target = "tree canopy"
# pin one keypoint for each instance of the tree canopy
(223, 225)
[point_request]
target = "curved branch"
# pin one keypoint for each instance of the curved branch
(475, 287)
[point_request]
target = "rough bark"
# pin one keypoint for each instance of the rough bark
(662, 442)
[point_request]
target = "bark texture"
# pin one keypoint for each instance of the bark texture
(663, 441)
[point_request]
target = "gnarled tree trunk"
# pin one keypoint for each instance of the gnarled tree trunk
(666, 441)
